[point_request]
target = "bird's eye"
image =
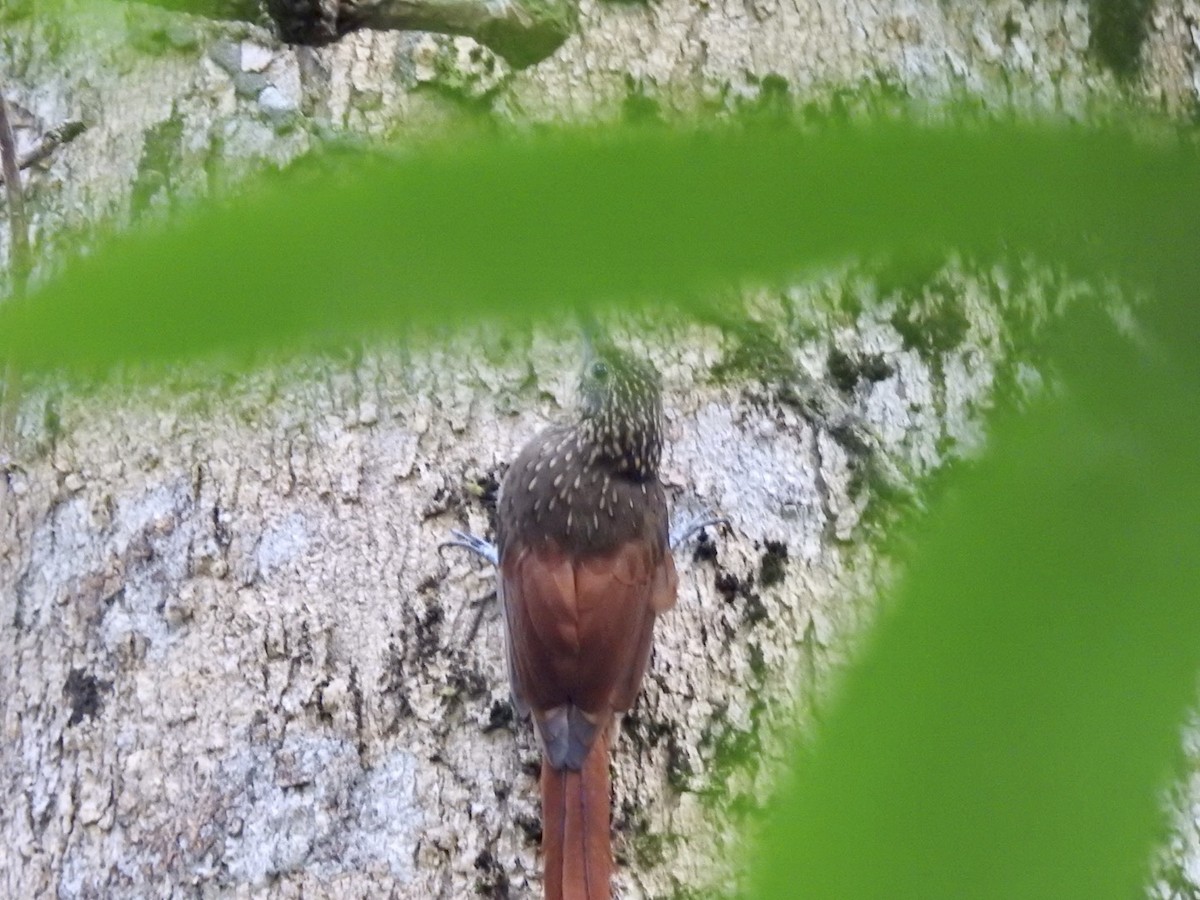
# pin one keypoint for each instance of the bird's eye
(599, 370)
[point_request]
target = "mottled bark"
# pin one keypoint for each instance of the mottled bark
(524, 32)
(232, 661)
(18, 225)
(235, 661)
(47, 144)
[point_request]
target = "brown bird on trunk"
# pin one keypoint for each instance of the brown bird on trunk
(585, 567)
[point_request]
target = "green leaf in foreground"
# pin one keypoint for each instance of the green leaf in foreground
(1008, 730)
(1005, 733)
(507, 229)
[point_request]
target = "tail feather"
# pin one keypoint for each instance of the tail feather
(575, 828)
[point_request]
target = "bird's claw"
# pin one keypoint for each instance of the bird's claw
(487, 550)
(476, 545)
(681, 533)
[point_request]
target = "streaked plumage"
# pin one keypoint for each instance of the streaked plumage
(585, 568)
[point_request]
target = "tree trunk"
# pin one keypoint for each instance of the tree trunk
(232, 659)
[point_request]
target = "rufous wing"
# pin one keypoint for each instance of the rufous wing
(579, 634)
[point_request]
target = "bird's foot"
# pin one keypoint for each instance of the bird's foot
(476, 545)
(685, 531)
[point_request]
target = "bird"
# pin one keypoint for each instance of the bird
(584, 563)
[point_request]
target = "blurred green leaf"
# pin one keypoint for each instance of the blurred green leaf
(510, 228)
(1011, 725)
(1005, 732)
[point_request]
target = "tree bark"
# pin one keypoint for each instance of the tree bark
(235, 661)
(232, 661)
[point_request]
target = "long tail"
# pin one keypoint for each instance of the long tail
(575, 829)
